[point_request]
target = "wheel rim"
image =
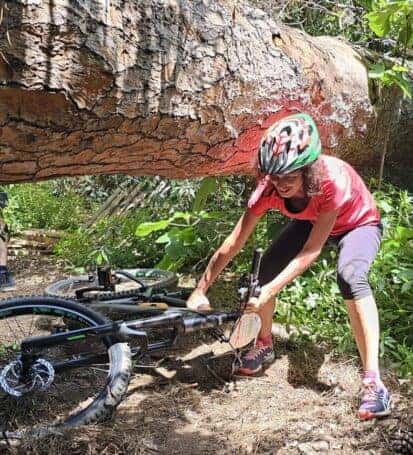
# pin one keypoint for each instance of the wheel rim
(158, 279)
(66, 391)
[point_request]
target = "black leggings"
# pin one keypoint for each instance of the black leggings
(357, 250)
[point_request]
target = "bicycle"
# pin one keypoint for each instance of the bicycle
(124, 286)
(33, 369)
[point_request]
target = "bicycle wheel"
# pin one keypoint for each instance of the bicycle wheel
(52, 395)
(125, 287)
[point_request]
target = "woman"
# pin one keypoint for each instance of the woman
(326, 200)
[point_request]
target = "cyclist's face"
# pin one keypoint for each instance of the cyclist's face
(289, 185)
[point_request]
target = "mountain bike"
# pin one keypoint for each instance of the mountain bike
(111, 285)
(106, 284)
(53, 351)
(143, 291)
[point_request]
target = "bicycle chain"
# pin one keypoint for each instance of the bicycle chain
(221, 337)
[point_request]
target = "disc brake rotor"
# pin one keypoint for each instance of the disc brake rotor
(40, 376)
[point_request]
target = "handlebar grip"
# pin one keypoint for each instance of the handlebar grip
(256, 262)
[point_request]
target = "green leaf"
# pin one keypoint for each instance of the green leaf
(379, 22)
(405, 85)
(186, 216)
(101, 257)
(400, 69)
(176, 250)
(380, 18)
(169, 236)
(208, 186)
(144, 229)
(165, 238)
(385, 206)
(186, 236)
(404, 233)
(377, 70)
(366, 4)
(166, 263)
(407, 274)
(211, 215)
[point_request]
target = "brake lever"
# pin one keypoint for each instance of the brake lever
(253, 288)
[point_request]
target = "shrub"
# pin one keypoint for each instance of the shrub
(37, 206)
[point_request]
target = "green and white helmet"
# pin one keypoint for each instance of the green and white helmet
(289, 144)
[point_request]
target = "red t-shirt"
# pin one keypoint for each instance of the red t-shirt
(342, 189)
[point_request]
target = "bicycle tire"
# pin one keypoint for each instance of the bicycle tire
(157, 279)
(103, 404)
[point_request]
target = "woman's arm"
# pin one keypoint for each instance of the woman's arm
(311, 250)
(229, 248)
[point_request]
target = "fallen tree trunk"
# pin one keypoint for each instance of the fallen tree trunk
(177, 88)
(33, 242)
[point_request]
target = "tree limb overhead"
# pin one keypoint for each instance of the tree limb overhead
(178, 88)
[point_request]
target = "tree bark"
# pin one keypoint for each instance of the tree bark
(177, 88)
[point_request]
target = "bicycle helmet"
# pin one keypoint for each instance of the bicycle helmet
(289, 144)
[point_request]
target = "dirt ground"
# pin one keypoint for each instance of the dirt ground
(304, 403)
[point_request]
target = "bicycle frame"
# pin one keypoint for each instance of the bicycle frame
(172, 297)
(180, 323)
(131, 304)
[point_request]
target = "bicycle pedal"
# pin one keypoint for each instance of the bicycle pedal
(148, 361)
(143, 368)
(153, 305)
(165, 373)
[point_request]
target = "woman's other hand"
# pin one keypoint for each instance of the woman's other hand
(198, 301)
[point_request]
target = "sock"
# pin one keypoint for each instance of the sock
(265, 341)
(373, 375)
(3, 268)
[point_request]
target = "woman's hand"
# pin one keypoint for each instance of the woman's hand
(255, 304)
(198, 301)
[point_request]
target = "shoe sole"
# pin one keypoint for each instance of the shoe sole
(367, 415)
(248, 372)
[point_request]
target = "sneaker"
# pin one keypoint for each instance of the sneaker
(7, 282)
(375, 400)
(253, 360)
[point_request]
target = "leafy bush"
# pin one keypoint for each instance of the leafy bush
(175, 239)
(112, 240)
(187, 236)
(392, 277)
(38, 206)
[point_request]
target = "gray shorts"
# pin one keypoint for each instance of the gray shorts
(356, 251)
